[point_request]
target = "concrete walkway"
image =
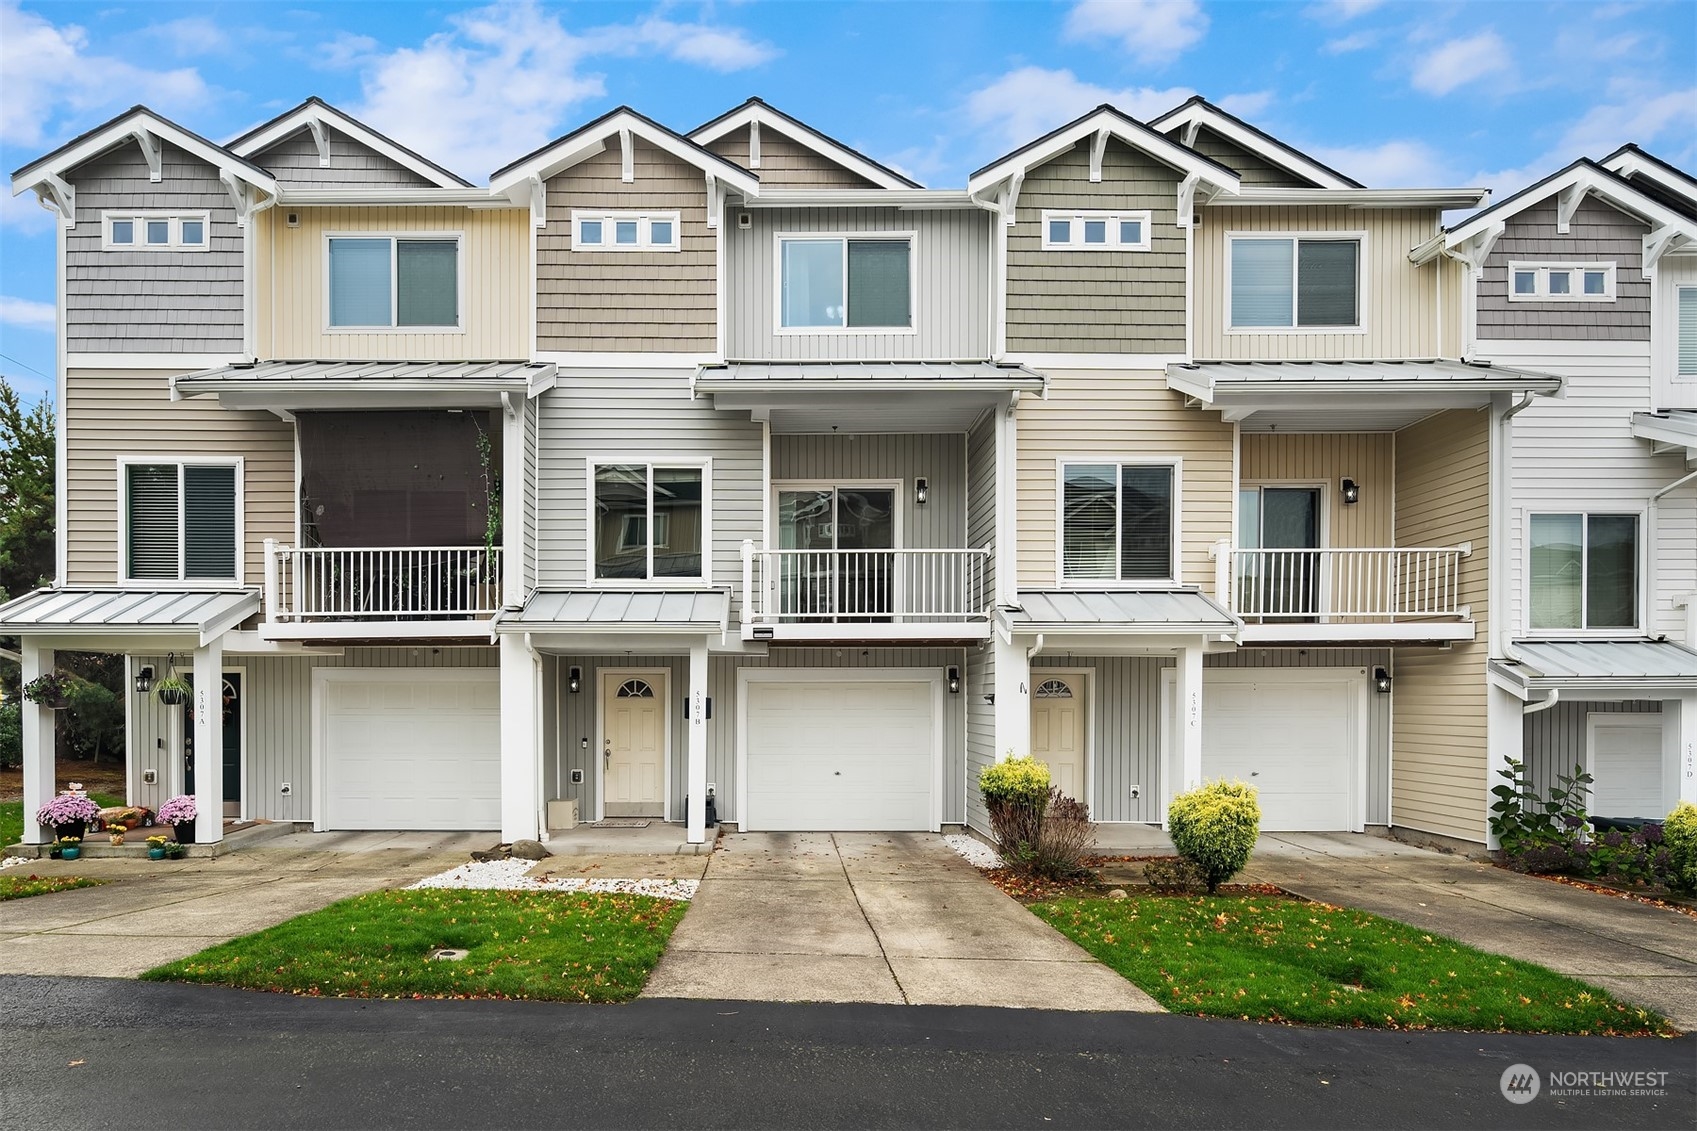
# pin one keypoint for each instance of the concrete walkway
(872, 917)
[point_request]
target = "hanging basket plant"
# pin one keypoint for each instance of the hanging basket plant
(48, 690)
(173, 690)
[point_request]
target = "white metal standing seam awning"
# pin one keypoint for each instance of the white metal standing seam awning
(611, 610)
(865, 396)
(288, 385)
(1675, 428)
(1347, 395)
(1166, 612)
(1597, 667)
(90, 616)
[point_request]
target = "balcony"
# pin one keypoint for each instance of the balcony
(865, 594)
(1345, 594)
(353, 593)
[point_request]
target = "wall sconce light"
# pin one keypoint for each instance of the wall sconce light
(921, 491)
(1351, 491)
(1381, 681)
(954, 681)
(990, 698)
(574, 679)
(144, 680)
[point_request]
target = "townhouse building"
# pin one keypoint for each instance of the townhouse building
(735, 465)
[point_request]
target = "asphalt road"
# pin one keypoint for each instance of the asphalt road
(100, 1053)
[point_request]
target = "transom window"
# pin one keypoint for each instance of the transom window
(1095, 231)
(634, 689)
(1584, 571)
(394, 281)
(1118, 521)
(155, 231)
(1561, 282)
(1687, 331)
(1054, 689)
(624, 231)
(842, 282)
(1291, 282)
(180, 520)
(649, 521)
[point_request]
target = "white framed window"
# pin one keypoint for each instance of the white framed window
(624, 231)
(850, 282)
(1095, 231)
(1584, 572)
(156, 231)
(1295, 281)
(180, 518)
(392, 281)
(1561, 282)
(1119, 520)
(1686, 344)
(649, 520)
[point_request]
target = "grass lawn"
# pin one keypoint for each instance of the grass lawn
(1271, 958)
(523, 944)
(12, 816)
(22, 887)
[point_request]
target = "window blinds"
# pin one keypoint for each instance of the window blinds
(209, 521)
(1261, 281)
(427, 274)
(359, 282)
(153, 526)
(878, 289)
(1325, 282)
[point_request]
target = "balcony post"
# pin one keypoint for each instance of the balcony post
(1221, 552)
(271, 580)
(746, 613)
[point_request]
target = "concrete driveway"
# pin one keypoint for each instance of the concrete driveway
(872, 917)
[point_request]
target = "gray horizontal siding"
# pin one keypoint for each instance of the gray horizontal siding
(294, 162)
(940, 458)
(951, 267)
(1597, 234)
(1256, 172)
(152, 301)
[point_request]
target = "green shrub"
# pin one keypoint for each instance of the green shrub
(1538, 833)
(11, 734)
(1016, 795)
(1015, 781)
(1679, 834)
(1214, 827)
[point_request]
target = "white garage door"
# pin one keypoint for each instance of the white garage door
(411, 750)
(1294, 735)
(840, 755)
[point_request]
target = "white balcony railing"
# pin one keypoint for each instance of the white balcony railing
(410, 583)
(1331, 585)
(864, 586)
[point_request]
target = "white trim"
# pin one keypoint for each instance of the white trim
(593, 460)
(61, 454)
(1542, 270)
(644, 222)
(1193, 114)
(934, 676)
(1361, 276)
(1669, 337)
(1126, 362)
(1111, 221)
(778, 240)
(122, 130)
(443, 236)
(1669, 766)
(664, 694)
(1175, 550)
(173, 230)
(177, 362)
(1640, 515)
(124, 463)
(757, 115)
(1087, 679)
(601, 361)
(314, 116)
(1619, 194)
(1117, 125)
(581, 145)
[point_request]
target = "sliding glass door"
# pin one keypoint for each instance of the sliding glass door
(1282, 581)
(838, 563)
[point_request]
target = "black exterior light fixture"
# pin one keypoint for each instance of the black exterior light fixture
(144, 680)
(1381, 681)
(574, 679)
(954, 681)
(921, 491)
(1350, 490)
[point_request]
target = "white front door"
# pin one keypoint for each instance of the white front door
(1627, 763)
(1057, 730)
(633, 745)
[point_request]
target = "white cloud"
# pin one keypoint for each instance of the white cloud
(1151, 31)
(1029, 102)
(1248, 105)
(720, 49)
(190, 35)
(27, 314)
(1343, 10)
(1359, 41)
(1461, 61)
(1391, 164)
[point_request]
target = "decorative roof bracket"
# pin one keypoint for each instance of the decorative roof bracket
(319, 140)
(149, 149)
(1567, 203)
(1098, 146)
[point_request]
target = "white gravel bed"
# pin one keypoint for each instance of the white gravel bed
(977, 853)
(15, 861)
(512, 875)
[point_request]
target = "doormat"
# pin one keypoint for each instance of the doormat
(620, 823)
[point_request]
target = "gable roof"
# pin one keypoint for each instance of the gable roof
(316, 110)
(756, 110)
(1669, 184)
(1199, 111)
(1586, 178)
(1104, 118)
(136, 123)
(590, 139)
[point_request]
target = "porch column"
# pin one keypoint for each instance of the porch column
(1505, 738)
(520, 758)
(1680, 733)
(209, 742)
(39, 781)
(697, 770)
(1013, 699)
(1184, 761)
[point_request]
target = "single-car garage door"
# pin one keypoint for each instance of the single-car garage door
(835, 754)
(415, 749)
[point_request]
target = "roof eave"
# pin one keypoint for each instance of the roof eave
(267, 134)
(852, 160)
(87, 146)
(590, 139)
(1127, 129)
(1234, 129)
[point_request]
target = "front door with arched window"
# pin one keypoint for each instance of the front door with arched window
(633, 744)
(1057, 729)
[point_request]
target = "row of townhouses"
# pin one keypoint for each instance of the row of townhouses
(735, 463)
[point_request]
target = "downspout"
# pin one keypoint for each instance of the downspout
(1543, 704)
(1031, 652)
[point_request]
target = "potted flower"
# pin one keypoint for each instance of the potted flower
(175, 851)
(173, 690)
(156, 847)
(67, 815)
(115, 833)
(70, 847)
(48, 690)
(179, 813)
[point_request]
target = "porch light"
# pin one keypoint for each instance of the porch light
(144, 680)
(954, 681)
(1381, 681)
(574, 680)
(921, 491)
(1351, 491)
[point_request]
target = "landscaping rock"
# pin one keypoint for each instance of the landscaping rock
(529, 850)
(1117, 893)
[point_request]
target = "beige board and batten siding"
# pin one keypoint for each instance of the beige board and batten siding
(1066, 301)
(293, 278)
(950, 268)
(940, 458)
(1597, 233)
(295, 162)
(1322, 460)
(1439, 747)
(1130, 415)
(785, 162)
(1398, 301)
(112, 413)
(627, 301)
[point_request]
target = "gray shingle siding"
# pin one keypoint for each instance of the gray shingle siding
(1598, 234)
(1254, 171)
(152, 301)
(294, 161)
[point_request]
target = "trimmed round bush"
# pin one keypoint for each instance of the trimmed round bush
(1015, 781)
(1214, 827)
(1679, 836)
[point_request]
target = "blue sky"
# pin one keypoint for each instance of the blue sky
(1431, 93)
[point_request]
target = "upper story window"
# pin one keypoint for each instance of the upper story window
(181, 520)
(624, 231)
(1295, 282)
(1584, 571)
(846, 282)
(648, 521)
(1095, 231)
(1561, 282)
(1119, 521)
(399, 282)
(1687, 331)
(155, 231)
